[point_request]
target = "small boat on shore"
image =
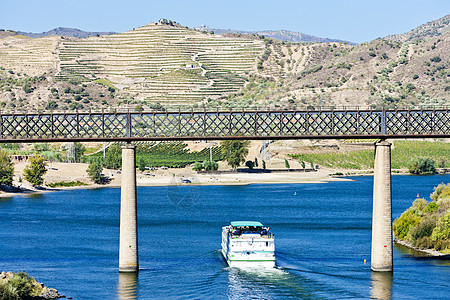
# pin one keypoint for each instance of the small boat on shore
(248, 243)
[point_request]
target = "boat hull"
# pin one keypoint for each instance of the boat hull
(248, 250)
(248, 263)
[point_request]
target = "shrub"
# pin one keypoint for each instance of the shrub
(198, 166)
(424, 243)
(424, 228)
(423, 166)
(435, 59)
(210, 165)
(250, 164)
(52, 104)
(442, 190)
(441, 233)
(66, 184)
(22, 284)
(432, 206)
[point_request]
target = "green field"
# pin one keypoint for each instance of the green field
(404, 153)
(169, 154)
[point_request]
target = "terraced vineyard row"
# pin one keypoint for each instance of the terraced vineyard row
(169, 154)
(163, 63)
(31, 56)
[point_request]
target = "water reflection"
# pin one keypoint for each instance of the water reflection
(381, 285)
(128, 286)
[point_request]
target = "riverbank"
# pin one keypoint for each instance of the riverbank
(68, 172)
(430, 252)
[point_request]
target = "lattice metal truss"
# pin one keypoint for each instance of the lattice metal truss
(203, 125)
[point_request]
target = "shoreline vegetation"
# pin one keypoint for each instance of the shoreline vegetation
(19, 285)
(70, 165)
(425, 226)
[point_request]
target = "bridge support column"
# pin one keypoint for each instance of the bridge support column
(128, 249)
(381, 257)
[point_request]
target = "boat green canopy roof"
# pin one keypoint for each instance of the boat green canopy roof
(246, 223)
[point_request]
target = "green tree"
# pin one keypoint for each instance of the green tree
(423, 166)
(79, 150)
(141, 164)
(234, 152)
(6, 168)
(264, 164)
(286, 164)
(95, 172)
(303, 165)
(256, 162)
(113, 157)
(34, 172)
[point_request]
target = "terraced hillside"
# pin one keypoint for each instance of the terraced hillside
(27, 55)
(162, 63)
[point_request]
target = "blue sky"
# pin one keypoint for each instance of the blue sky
(353, 20)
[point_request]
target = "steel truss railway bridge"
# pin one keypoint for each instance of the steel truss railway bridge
(204, 124)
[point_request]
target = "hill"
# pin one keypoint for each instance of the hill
(63, 31)
(165, 63)
(282, 35)
(430, 29)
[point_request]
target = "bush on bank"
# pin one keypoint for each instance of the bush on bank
(19, 286)
(425, 224)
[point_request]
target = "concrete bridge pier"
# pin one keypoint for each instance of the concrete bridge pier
(381, 257)
(128, 249)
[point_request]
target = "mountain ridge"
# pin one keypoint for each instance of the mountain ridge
(64, 31)
(282, 35)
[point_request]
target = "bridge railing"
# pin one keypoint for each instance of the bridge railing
(216, 124)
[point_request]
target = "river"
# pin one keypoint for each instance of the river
(69, 240)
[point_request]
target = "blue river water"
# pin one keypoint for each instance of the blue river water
(69, 240)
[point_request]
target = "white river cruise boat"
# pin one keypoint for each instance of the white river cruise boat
(248, 243)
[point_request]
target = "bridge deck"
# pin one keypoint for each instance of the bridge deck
(204, 125)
